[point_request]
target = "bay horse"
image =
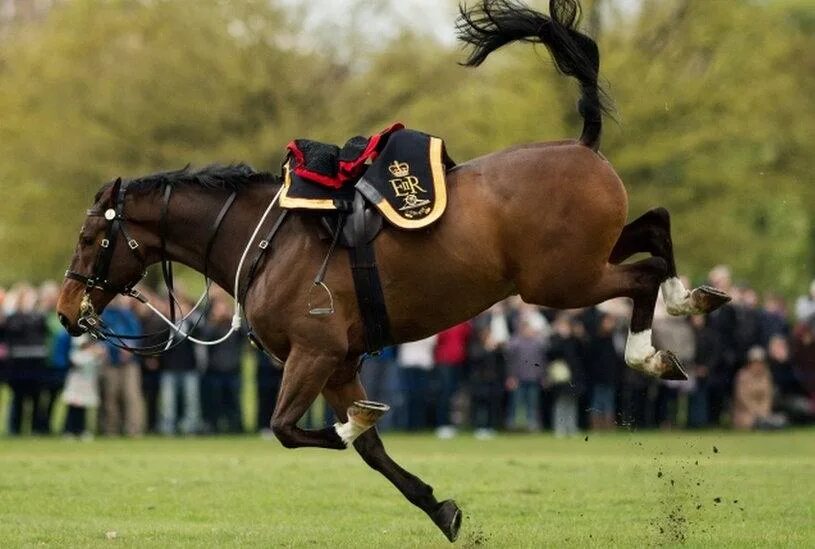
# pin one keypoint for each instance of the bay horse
(546, 221)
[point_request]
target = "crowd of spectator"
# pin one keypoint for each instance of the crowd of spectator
(751, 365)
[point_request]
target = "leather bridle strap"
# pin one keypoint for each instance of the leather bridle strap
(263, 245)
(213, 232)
(167, 265)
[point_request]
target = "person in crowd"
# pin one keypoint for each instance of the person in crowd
(803, 353)
(415, 360)
(269, 375)
(379, 377)
(774, 319)
(566, 374)
(805, 305)
(748, 321)
(790, 397)
(122, 404)
(27, 340)
(221, 383)
(704, 361)
(486, 364)
(3, 342)
(87, 358)
(753, 394)
(180, 376)
(525, 355)
(677, 334)
(158, 330)
(603, 367)
(58, 362)
(723, 322)
(450, 356)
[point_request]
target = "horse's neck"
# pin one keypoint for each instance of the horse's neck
(190, 223)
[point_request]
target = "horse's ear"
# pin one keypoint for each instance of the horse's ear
(116, 185)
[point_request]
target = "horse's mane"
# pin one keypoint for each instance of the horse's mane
(230, 177)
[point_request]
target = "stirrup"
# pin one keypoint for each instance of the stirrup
(320, 311)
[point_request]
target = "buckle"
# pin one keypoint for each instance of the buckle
(132, 243)
(263, 244)
(105, 243)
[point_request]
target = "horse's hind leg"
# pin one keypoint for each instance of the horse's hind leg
(446, 514)
(640, 281)
(651, 233)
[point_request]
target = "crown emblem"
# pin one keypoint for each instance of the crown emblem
(399, 169)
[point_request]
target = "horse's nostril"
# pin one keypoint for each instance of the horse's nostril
(63, 319)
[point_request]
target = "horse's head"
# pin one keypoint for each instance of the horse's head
(108, 260)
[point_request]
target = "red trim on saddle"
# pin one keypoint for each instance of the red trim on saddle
(347, 169)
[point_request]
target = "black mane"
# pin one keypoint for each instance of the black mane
(230, 177)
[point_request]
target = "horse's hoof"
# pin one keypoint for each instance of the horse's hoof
(669, 367)
(366, 412)
(706, 299)
(447, 517)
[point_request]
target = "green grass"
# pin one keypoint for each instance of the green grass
(515, 491)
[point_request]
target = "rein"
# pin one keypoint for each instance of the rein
(99, 279)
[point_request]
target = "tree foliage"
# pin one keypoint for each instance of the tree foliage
(715, 116)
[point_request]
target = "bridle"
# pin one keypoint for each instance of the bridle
(99, 279)
(114, 216)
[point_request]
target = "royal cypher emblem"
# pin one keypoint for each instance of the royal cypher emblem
(407, 187)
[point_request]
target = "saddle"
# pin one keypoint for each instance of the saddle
(397, 175)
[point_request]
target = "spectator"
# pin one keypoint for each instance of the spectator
(705, 360)
(805, 305)
(3, 342)
(723, 323)
(221, 386)
(27, 339)
(774, 319)
(753, 394)
(415, 362)
(603, 366)
(525, 354)
(57, 364)
(490, 332)
(379, 377)
(122, 404)
(803, 352)
(677, 334)
(790, 397)
(180, 375)
(87, 357)
(450, 355)
(566, 375)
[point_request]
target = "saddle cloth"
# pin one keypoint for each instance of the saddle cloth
(400, 171)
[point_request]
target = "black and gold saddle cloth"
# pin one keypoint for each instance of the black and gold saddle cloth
(400, 171)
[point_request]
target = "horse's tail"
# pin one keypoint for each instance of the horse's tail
(495, 23)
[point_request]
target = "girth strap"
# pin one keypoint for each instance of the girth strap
(370, 298)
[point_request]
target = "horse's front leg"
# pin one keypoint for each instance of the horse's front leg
(304, 375)
(342, 394)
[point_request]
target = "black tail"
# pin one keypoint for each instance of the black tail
(496, 23)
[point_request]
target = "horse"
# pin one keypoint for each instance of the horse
(546, 221)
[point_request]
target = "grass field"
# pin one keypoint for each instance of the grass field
(622, 489)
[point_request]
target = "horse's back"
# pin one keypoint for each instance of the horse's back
(546, 212)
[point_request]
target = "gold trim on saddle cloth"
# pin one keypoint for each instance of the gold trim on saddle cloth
(308, 203)
(438, 205)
